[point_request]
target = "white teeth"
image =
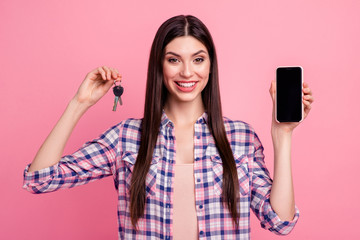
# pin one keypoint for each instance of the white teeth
(187, 85)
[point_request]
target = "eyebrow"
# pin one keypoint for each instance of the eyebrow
(198, 52)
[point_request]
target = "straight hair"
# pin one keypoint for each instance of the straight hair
(156, 94)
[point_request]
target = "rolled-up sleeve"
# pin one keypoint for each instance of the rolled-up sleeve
(94, 160)
(260, 196)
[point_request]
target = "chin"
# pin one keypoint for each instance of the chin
(189, 98)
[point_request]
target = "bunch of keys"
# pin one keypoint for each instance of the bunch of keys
(118, 91)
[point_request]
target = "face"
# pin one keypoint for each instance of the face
(186, 68)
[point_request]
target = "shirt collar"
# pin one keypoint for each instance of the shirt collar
(165, 121)
(203, 118)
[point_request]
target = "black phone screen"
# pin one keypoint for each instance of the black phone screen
(289, 94)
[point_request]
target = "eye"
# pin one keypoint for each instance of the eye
(199, 60)
(173, 60)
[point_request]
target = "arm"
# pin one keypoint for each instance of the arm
(282, 191)
(52, 149)
(94, 86)
(261, 188)
(94, 160)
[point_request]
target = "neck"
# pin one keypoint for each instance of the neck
(183, 113)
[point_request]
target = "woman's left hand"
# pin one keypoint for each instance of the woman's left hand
(308, 99)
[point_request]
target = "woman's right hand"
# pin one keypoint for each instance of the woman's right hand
(96, 84)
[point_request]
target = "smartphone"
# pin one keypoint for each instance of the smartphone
(289, 94)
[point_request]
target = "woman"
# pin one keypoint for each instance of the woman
(183, 171)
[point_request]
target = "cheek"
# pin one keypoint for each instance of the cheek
(169, 71)
(168, 75)
(205, 70)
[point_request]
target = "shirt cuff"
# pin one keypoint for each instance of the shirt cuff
(273, 223)
(34, 180)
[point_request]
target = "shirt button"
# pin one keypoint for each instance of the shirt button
(200, 206)
(197, 159)
(198, 136)
(201, 232)
(198, 180)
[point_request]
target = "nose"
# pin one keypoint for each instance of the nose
(187, 70)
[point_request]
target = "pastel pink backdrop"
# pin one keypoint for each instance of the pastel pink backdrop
(47, 48)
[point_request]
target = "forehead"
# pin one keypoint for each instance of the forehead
(185, 45)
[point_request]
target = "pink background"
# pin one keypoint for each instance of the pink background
(47, 48)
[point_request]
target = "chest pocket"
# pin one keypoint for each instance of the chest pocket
(129, 158)
(242, 167)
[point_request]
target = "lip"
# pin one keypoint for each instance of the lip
(186, 89)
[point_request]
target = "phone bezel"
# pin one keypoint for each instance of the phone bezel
(302, 93)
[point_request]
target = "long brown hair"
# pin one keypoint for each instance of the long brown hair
(155, 98)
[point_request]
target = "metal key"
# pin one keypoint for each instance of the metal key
(118, 91)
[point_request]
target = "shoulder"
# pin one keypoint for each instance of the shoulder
(129, 128)
(130, 123)
(242, 136)
(129, 135)
(237, 126)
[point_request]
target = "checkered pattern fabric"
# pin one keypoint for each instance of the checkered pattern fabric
(114, 154)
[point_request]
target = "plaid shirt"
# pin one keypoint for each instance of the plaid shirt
(114, 154)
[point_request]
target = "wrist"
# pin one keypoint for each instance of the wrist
(281, 131)
(281, 135)
(77, 108)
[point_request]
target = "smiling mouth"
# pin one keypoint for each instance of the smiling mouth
(186, 84)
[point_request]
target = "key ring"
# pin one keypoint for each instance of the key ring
(115, 83)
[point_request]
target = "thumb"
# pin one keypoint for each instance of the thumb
(272, 89)
(110, 83)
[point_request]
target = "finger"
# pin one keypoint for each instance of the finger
(309, 98)
(307, 91)
(272, 86)
(102, 72)
(306, 112)
(119, 75)
(108, 84)
(108, 72)
(272, 89)
(307, 107)
(306, 103)
(114, 74)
